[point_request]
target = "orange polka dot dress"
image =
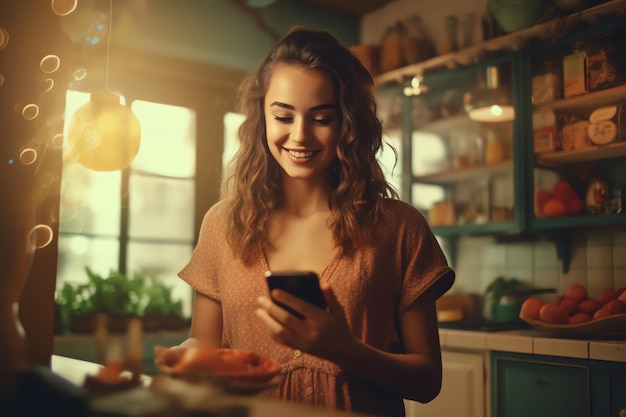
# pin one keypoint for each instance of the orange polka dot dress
(374, 286)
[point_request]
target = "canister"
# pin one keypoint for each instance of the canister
(607, 124)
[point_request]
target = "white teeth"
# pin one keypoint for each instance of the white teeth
(300, 154)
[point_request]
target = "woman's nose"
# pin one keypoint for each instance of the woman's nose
(298, 131)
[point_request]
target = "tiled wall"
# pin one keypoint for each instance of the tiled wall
(598, 261)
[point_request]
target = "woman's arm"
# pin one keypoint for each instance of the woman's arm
(206, 328)
(206, 321)
(415, 375)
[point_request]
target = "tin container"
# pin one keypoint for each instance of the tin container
(607, 124)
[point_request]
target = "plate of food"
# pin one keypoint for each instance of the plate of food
(235, 371)
(613, 326)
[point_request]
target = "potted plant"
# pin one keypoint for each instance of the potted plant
(161, 310)
(120, 297)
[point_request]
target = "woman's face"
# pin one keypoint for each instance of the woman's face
(302, 121)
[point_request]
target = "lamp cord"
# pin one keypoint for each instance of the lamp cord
(108, 50)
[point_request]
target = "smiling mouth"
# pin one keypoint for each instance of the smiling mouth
(298, 154)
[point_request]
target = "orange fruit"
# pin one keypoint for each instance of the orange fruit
(557, 300)
(577, 292)
(551, 313)
(607, 295)
(616, 307)
(622, 296)
(579, 318)
(603, 312)
(563, 191)
(569, 305)
(575, 206)
(589, 306)
(541, 196)
(530, 308)
(554, 208)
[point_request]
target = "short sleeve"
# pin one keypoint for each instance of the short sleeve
(425, 263)
(202, 271)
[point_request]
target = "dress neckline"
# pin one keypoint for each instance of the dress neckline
(327, 272)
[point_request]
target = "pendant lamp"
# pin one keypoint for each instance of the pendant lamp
(104, 135)
(488, 103)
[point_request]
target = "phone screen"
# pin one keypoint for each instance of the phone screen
(304, 285)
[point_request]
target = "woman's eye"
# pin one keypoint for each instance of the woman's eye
(323, 121)
(283, 119)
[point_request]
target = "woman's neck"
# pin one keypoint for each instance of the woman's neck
(303, 197)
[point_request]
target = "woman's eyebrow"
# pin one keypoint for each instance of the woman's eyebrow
(314, 108)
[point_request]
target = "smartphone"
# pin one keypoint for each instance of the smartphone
(302, 284)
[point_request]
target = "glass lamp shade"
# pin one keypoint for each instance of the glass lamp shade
(488, 105)
(104, 135)
(487, 102)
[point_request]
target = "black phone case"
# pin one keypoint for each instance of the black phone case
(304, 285)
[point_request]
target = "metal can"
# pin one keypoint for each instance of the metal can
(607, 124)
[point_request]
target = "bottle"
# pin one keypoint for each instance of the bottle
(615, 200)
(597, 197)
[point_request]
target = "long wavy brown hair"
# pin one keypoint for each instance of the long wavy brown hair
(252, 186)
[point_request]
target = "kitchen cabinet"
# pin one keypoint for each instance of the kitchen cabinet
(541, 385)
(462, 391)
(588, 150)
(459, 172)
(446, 169)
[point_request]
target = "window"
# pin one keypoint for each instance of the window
(139, 219)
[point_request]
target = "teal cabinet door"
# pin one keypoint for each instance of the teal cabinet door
(526, 387)
(618, 393)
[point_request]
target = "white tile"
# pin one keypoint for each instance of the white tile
(522, 274)
(507, 342)
(519, 255)
(466, 339)
(619, 278)
(494, 256)
(547, 277)
(491, 273)
(576, 276)
(619, 238)
(608, 351)
(599, 238)
(561, 347)
(597, 280)
(619, 255)
(599, 255)
(578, 255)
(544, 255)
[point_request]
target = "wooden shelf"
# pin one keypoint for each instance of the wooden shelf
(446, 124)
(467, 174)
(589, 101)
(476, 229)
(554, 159)
(579, 221)
(509, 42)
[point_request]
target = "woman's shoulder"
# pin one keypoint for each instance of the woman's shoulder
(216, 214)
(401, 216)
(395, 208)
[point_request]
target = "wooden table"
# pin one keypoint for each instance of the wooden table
(188, 396)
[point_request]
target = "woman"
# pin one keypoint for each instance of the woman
(307, 193)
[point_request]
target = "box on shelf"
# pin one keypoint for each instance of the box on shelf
(606, 61)
(574, 71)
(545, 137)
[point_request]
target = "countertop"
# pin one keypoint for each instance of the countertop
(191, 398)
(533, 342)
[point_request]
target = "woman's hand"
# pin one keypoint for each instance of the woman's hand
(323, 333)
(167, 357)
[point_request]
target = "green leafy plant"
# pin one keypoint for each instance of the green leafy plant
(501, 287)
(117, 295)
